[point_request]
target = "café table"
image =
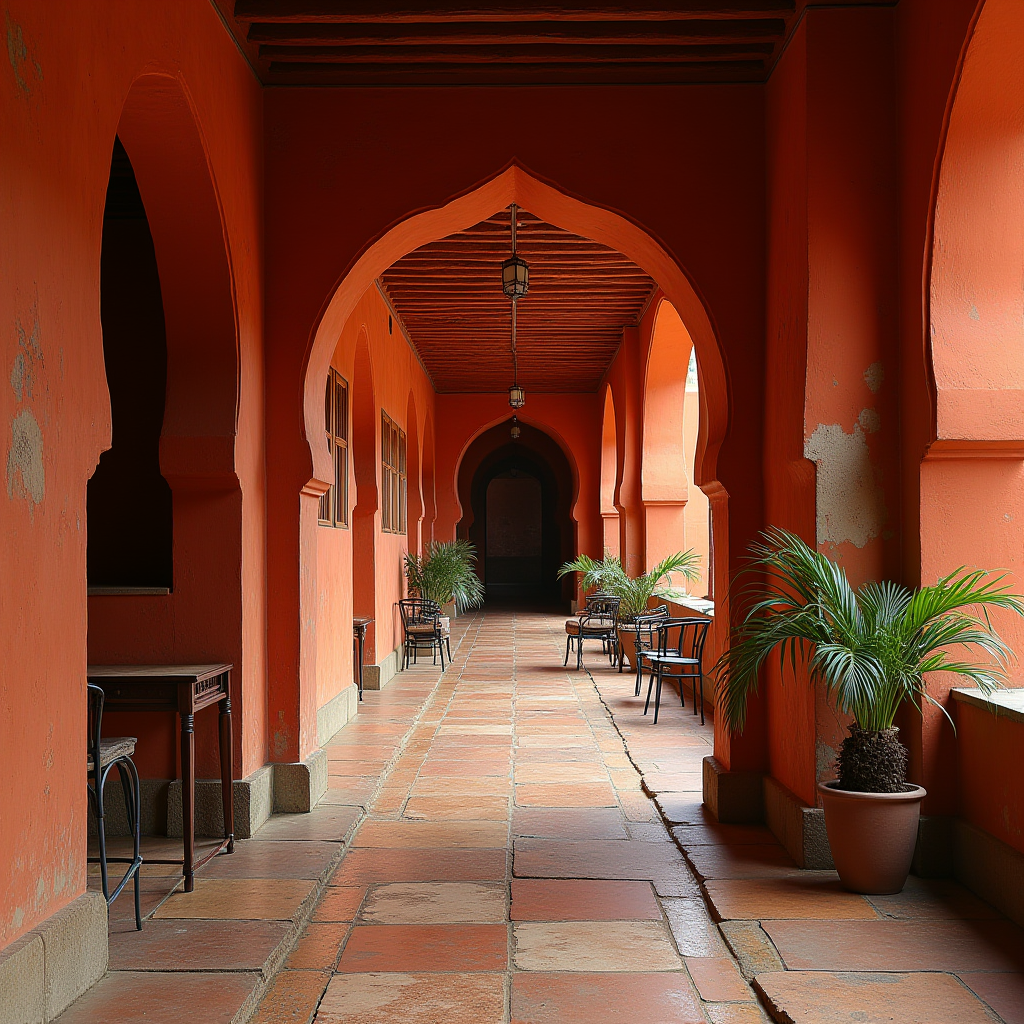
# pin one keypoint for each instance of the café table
(359, 627)
(185, 689)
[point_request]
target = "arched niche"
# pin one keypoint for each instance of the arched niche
(200, 619)
(415, 499)
(364, 466)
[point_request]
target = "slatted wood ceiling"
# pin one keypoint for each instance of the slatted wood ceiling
(498, 42)
(448, 295)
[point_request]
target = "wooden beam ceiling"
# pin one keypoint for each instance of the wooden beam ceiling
(448, 295)
(509, 42)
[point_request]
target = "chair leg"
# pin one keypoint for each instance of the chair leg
(699, 681)
(568, 641)
(657, 698)
(440, 647)
(133, 806)
(101, 832)
(579, 653)
(650, 686)
(639, 675)
(448, 644)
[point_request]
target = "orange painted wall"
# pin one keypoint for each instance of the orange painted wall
(56, 160)
(397, 375)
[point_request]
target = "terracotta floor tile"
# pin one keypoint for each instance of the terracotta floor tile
(121, 996)
(556, 899)
(1003, 992)
(735, 1013)
(546, 773)
(755, 899)
(603, 999)
(544, 858)
(926, 998)
(753, 861)
(486, 786)
(239, 899)
(570, 823)
(291, 998)
(932, 899)
(637, 807)
(273, 859)
(339, 902)
(717, 979)
(329, 822)
(457, 808)
(449, 835)
(412, 948)
(692, 928)
(318, 947)
(566, 795)
(196, 945)
(898, 945)
(595, 946)
(435, 903)
(723, 835)
(413, 999)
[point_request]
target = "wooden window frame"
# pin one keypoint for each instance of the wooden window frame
(334, 509)
(394, 460)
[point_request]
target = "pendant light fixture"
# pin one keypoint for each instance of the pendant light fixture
(516, 430)
(515, 283)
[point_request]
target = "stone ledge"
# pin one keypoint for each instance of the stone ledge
(734, 798)
(376, 677)
(300, 786)
(45, 971)
(990, 868)
(337, 713)
(1002, 703)
(799, 827)
(253, 799)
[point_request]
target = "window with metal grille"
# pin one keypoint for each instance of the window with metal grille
(334, 504)
(394, 484)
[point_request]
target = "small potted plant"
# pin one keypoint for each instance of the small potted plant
(870, 647)
(635, 593)
(446, 575)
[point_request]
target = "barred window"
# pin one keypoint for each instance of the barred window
(334, 504)
(394, 482)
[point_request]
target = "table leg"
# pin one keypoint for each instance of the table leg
(188, 795)
(360, 642)
(226, 762)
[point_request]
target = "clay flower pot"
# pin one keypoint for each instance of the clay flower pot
(627, 644)
(872, 836)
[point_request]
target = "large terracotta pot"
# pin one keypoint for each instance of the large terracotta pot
(872, 836)
(627, 644)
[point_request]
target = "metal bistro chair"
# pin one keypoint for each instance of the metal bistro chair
(644, 629)
(425, 630)
(680, 660)
(607, 647)
(104, 754)
(598, 622)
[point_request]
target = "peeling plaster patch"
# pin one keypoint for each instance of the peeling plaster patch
(26, 477)
(870, 421)
(850, 504)
(874, 375)
(17, 917)
(824, 761)
(17, 54)
(973, 312)
(29, 353)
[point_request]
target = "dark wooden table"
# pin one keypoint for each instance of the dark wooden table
(185, 689)
(359, 627)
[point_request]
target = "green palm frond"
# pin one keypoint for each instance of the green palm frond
(445, 574)
(871, 646)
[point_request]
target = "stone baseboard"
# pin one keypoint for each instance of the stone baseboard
(990, 868)
(299, 787)
(154, 808)
(376, 677)
(798, 827)
(933, 857)
(336, 713)
(45, 971)
(253, 799)
(734, 798)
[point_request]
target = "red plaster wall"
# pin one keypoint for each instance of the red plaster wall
(61, 98)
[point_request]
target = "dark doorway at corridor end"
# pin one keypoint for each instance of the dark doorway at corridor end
(516, 497)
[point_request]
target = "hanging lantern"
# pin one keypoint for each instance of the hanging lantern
(515, 277)
(516, 397)
(516, 430)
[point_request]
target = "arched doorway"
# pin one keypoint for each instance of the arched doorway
(517, 496)
(676, 510)
(167, 272)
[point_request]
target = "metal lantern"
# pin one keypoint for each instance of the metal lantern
(516, 397)
(515, 277)
(516, 429)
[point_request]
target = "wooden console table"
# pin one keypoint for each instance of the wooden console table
(359, 627)
(185, 689)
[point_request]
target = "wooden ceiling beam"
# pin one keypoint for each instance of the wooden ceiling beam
(389, 11)
(513, 54)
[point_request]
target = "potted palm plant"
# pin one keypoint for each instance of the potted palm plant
(870, 647)
(635, 594)
(446, 575)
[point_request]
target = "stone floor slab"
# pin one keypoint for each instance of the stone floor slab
(595, 946)
(414, 948)
(555, 899)
(413, 999)
(435, 903)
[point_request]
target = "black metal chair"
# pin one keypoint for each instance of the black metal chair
(598, 622)
(425, 629)
(610, 649)
(644, 638)
(105, 753)
(678, 659)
